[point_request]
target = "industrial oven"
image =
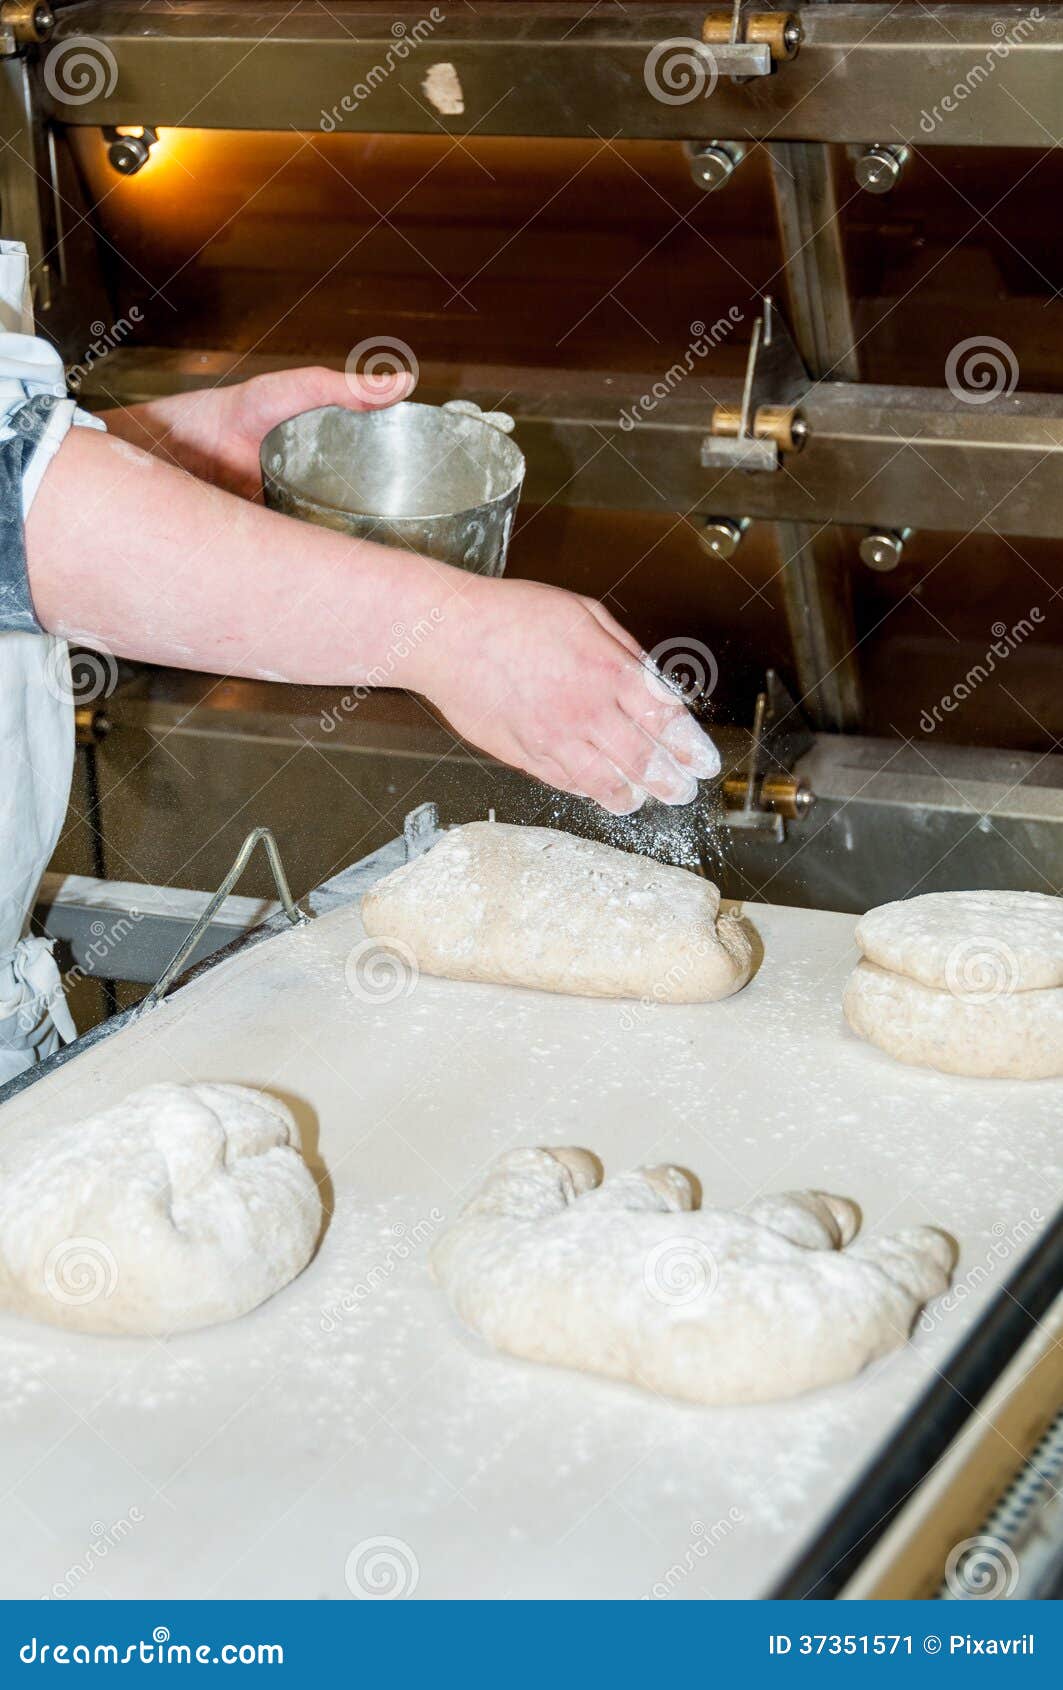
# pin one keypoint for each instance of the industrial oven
(777, 328)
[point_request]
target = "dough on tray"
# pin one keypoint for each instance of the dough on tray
(530, 906)
(969, 942)
(966, 982)
(181, 1206)
(1017, 1036)
(626, 1278)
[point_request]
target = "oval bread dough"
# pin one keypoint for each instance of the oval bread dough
(1017, 1036)
(182, 1206)
(530, 906)
(629, 1279)
(969, 942)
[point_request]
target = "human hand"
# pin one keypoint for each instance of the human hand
(215, 433)
(548, 681)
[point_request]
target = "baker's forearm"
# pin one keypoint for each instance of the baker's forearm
(150, 426)
(157, 566)
(130, 554)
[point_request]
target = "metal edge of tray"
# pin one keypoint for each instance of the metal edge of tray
(876, 1496)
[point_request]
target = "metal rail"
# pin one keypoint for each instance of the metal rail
(916, 456)
(863, 73)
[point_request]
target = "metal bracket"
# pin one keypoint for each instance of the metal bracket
(767, 423)
(766, 795)
(421, 830)
(296, 916)
(743, 45)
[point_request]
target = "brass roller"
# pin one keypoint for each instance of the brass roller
(782, 423)
(782, 793)
(779, 31)
(90, 725)
(29, 21)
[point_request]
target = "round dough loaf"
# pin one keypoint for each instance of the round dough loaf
(530, 906)
(1015, 1036)
(182, 1206)
(973, 944)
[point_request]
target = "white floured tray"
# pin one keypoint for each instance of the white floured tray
(350, 1431)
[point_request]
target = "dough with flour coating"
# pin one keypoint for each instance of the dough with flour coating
(182, 1206)
(1017, 1036)
(970, 943)
(530, 906)
(627, 1278)
(965, 982)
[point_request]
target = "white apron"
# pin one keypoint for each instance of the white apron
(36, 721)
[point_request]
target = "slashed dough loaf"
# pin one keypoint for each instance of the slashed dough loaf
(970, 943)
(1014, 1036)
(530, 906)
(628, 1278)
(181, 1206)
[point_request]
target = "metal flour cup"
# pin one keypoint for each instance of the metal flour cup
(440, 480)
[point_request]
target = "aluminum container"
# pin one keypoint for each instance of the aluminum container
(440, 480)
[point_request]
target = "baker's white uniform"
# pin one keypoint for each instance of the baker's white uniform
(36, 699)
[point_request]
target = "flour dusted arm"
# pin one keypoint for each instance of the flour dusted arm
(628, 1277)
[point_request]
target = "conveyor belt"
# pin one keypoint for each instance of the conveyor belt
(252, 1459)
